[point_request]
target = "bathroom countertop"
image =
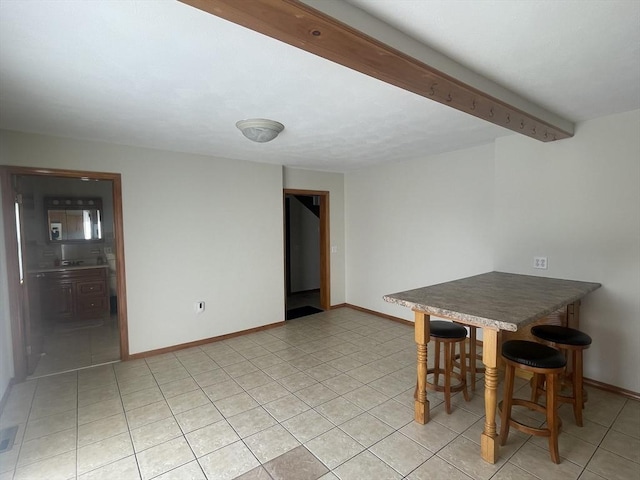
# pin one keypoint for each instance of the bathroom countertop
(63, 268)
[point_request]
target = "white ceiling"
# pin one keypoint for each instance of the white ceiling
(162, 74)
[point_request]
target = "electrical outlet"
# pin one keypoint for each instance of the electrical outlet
(199, 307)
(540, 262)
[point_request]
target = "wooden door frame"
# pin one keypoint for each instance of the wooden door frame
(325, 240)
(11, 256)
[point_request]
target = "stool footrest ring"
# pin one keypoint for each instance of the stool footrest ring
(523, 427)
(437, 387)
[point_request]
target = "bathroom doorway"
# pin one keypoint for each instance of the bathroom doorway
(67, 290)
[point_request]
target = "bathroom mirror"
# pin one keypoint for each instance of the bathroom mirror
(73, 220)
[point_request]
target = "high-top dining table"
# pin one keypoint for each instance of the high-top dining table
(493, 301)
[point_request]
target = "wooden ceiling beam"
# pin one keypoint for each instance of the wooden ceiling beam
(298, 24)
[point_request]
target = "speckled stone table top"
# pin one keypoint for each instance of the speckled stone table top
(503, 301)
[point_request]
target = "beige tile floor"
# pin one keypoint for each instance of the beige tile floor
(73, 348)
(327, 396)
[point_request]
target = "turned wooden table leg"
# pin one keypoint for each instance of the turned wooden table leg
(489, 439)
(422, 339)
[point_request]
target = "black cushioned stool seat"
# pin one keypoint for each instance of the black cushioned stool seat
(572, 342)
(448, 334)
(532, 354)
(538, 359)
(442, 329)
(564, 335)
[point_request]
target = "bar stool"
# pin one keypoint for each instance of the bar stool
(569, 341)
(473, 357)
(448, 334)
(539, 359)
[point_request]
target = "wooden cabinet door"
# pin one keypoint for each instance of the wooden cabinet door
(74, 295)
(57, 300)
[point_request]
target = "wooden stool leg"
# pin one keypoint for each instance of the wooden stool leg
(463, 368)
(448, 365)
(472, 356)
(537, 382)
(578, 394)
(552, 415)
(507, 396)
(436, 363)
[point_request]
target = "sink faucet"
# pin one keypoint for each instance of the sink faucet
(72, 263)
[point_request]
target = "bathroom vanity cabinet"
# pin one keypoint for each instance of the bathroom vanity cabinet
(71, 294)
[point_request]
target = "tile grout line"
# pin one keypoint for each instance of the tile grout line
(184, 435)
(316, 335)
(126, 419)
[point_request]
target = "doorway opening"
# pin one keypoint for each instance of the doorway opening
(65, 269)
(306, 226)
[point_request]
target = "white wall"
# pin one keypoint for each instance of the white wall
(333, 183)
(417, 223)
(577, 201)
(195, 228)
(190, 232)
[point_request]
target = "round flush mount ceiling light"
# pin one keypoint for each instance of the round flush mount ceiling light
(260, 130)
